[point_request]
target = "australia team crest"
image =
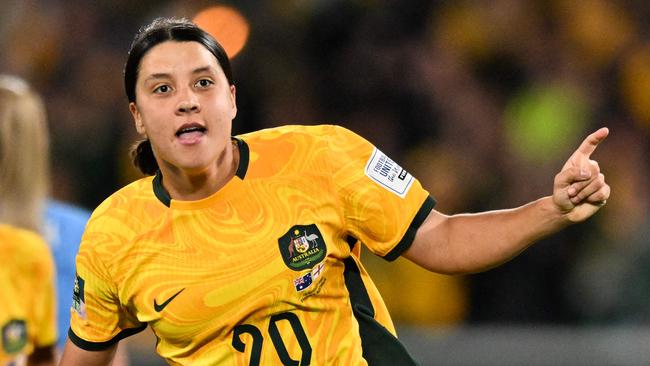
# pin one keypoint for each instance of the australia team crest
(302, 247)
(14, 336)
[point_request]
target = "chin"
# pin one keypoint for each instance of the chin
(193, 168)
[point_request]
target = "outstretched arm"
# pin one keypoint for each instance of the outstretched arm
(471, 243)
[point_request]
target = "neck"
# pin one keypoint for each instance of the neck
(186, 185)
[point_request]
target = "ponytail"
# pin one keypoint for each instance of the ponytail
(143, 157)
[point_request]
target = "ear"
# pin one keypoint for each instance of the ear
(137, 119)
(233, 98)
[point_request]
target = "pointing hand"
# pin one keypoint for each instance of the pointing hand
(579, 189)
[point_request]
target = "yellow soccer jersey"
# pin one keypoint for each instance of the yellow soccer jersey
(265, 271)
(27, 309)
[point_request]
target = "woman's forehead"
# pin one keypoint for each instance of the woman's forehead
(173, 56)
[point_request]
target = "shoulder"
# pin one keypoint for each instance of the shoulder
(116, 221)
(24, 246)
(135, 193)
(294, 148)
(314, 132)
(299, 149)
(122, 210)
(321, 139)
(24, 238)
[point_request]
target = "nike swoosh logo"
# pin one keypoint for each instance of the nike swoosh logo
(160, 307)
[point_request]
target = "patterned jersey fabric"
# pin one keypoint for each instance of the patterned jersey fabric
(266, 270)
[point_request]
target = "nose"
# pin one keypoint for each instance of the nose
(188, 104)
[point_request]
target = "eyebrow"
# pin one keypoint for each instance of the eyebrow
(163, 75)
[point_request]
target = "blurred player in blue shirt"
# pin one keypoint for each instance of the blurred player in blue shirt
(64, 225)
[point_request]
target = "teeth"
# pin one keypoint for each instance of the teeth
(189, 129)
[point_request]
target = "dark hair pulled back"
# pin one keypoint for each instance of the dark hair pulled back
(159, 31)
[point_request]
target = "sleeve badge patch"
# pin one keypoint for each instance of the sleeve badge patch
(388, 174)
(14, 336)
(78, 304)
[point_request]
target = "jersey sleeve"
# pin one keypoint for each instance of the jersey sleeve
(98, 319)
(383, 204)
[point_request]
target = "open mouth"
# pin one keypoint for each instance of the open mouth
(190, 128)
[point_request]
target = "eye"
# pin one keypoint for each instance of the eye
(203, 83)
(162, 89)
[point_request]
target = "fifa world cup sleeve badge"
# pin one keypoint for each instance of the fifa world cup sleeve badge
(78, 304)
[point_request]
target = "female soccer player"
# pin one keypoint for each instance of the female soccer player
(245, 250)
(24, 203)
(28, 307)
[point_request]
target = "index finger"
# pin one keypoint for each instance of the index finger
(588, 146)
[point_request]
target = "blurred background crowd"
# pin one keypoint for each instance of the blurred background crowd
(483, 101)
